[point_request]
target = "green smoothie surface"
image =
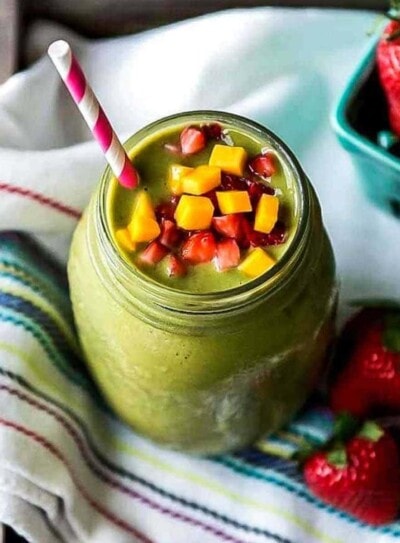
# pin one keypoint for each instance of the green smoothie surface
(153, 159)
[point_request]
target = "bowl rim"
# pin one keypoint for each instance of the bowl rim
(339, 118)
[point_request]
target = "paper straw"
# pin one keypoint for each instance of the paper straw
(75, 81)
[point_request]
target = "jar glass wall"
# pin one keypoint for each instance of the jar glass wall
(207, 372)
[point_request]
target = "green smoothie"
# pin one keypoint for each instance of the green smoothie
(210, 361)
(153, 160)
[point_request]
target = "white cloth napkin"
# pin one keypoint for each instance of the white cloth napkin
(283, 68)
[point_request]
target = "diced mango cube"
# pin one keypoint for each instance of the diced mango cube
(143, 228)
(201, 180)
(234, 201)
(176, 173)
(256, 262)
(230, 159)
(143, 206)
(124, 239)
(194, 212)
(266, 213)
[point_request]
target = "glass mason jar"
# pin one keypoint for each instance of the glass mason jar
(211, 372)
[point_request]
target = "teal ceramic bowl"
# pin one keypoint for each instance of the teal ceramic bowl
(358, 116)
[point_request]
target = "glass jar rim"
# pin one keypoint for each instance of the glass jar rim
(215, 301)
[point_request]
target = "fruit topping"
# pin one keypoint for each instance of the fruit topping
(143, 229)
(124, 239)
(215, 212)
(257, 189)
(227, 255)
(256, 263)
(194, 212)
(166, 210)
(176, 173)
(233, 182)
(143, 225)
(234, 201)
(199, 248)
(263, 165)
(192, 140)
(228, 225)
(201, 180)
(229, 159)
(143, 206)
(153, 253)
(170, 236)
(266, 213)
(175, 267)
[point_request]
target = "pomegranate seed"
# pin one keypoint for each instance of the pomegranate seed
(213, 131)
(263, 165)
(175, 267)
(171, 236)
(278, 234)
(166, 210)
(257, 189)
(213, 197)
(192, 140)
(232, 182)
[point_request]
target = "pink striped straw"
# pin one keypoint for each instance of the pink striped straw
(75, 81)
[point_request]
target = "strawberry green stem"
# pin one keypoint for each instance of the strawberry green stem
(371, 431)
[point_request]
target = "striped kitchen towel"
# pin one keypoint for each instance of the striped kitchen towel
(71, 472)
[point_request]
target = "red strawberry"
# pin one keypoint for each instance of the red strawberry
(362, 477)
(175, 267)
(153, 253)
(228, 225)
(170, 236)
(192, 140)
(200, 247)
(228, 255)
(388, 61)
(263, 165)
(370, 350)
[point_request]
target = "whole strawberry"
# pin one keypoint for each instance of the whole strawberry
(388, 62)
(369, 382)
(361, 477)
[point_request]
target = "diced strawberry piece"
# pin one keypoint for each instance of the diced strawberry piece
(153, 253)
(256, 189)
(232, 182)
(228, 225)
(213, 131)
(263, 165)
(200, 247)
(245, 233)
(228, 255)
(173, 148)
(166, 210)
(171, 236)
(192, 140)
(175, 267)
